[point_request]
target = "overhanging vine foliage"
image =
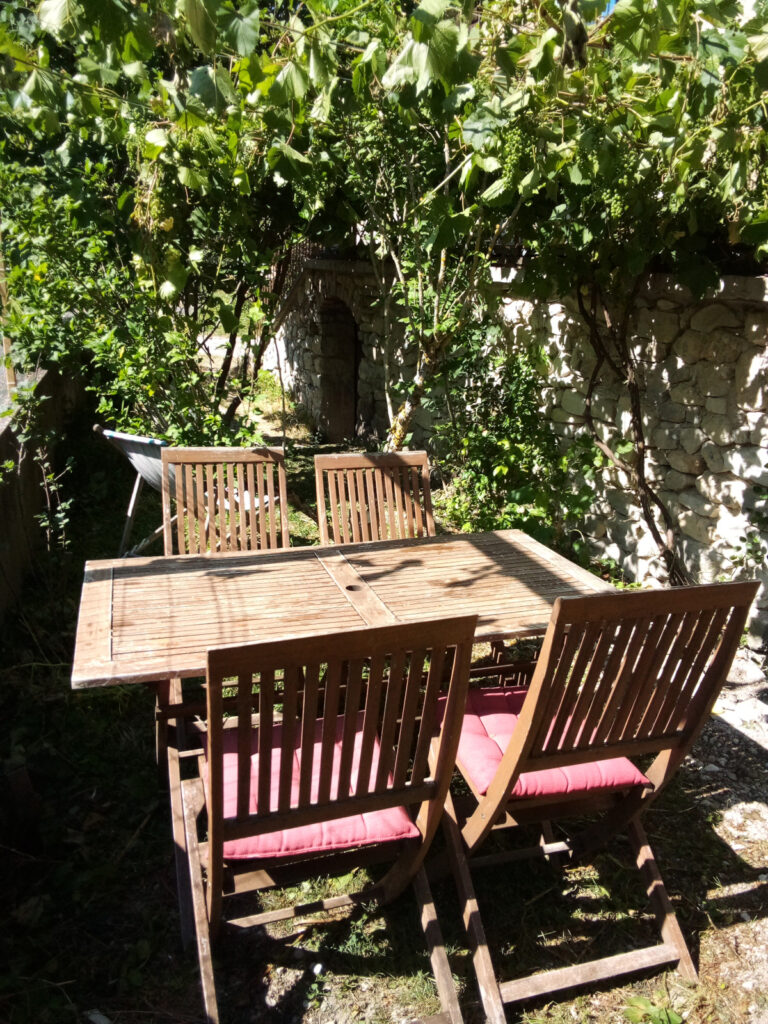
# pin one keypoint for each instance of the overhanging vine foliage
(197, 139)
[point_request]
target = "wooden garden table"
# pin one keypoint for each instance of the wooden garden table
(147, 620)
(144, 620)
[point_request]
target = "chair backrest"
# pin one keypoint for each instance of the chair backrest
(357, 712)
(143, 453)
(373, 497)
(625, 675)
(225, 499)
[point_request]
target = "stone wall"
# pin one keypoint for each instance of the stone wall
(704, 376)
(310, 347)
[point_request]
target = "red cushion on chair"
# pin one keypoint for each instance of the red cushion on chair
(356, 830)
(490, 720)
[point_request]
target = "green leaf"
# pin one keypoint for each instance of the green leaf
(541, 59)
(755, 230)
(157, 137)
(212, 88)
(202, 27)
(759, 46)
(443, 47)
(192, 178)
(56, 15)
(291, 83)
(286, 160)
(240, 28)
(319, 68)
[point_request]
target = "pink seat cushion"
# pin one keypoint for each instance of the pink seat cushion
(389, 824)
(490, 720)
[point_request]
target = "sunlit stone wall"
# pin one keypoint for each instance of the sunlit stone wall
(703, 368)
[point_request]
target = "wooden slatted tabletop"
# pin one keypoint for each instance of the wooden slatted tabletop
(145, 619)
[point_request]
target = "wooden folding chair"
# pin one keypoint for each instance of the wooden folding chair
(620, 677)
(225, 499)
(333, 754)
(373, 497)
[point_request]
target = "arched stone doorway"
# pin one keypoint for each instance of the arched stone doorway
(339, 366)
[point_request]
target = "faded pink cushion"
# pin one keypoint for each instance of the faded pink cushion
(386, 825)
(489, 721)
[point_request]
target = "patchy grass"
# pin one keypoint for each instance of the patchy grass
(86, 859)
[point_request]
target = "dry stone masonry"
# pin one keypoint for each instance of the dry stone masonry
(704, 375)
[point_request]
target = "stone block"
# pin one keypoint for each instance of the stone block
(623, 502)
(718, 429)
(685, 394)
(756, 328)
(732, 528)
(604, 407)
(723, 489)
(690, 347)
(715, 315)
(685, 463)
(623, 417)
(560, 416)
(646, 548)
(675, 371)
(672, 412)
(751, 379)
(714, 379)
(691, 439)
(719, 406)
(713, 457)
(658, 324)
(573, 402)
(749, 463)
(696, 502)
(676, 481)
(699, 528)
(666, 436)
(724, 346)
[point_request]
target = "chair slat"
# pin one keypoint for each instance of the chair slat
(244, 737)
(308, 727)
(656, 676)
(568, 646)
(180, 505)
(408, 716)
(253, 506)
(289, 729)
(673, 671)
(266, 718)
(271, 506)
(354, 506)
(330, 713)
(428, 723)
(601, 716)
(394, 688)
(351, 722)
(213, 529)
(371, 726)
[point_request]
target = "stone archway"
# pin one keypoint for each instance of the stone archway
(338, 370)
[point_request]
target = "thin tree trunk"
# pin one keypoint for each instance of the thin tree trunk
(241, 293)
(10, 373)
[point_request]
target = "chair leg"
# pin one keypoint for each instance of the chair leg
(441, 968)
(130, 514)
(666, 918)
(490, 994)
(192, 800)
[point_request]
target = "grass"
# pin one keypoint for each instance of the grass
(86, 861)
